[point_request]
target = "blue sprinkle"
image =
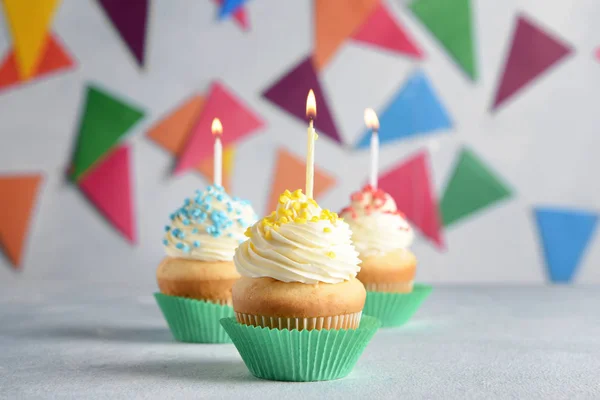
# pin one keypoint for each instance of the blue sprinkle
(196, 213)
(172, 216)
(236, 199)
(207, 207)
(238, 211)
(167, 228)
(194, 231)
(220, 197)
(241, 241)
(229, 207)
(179, 245)
(216, 233)
(208, 198)
(230, 234)
(196, 243)
(187, 202)
(209, 229)
(175, 232)
(165, 242)
(186, 222)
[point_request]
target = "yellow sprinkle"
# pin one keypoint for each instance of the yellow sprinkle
(296, 206)
(287, 193)
(304, 205)
(298, 192)
(300, 220)
(283, 220)
(283, 199)
(268, 235)
(248, 232)
(327, 229)
(305, 215)
(314, 219)
(252, 246)
(288, 213)
(313, 202)
(331, 254)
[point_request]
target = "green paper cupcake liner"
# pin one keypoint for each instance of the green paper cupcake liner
(300, 356)
(395, 309)
(194, 321)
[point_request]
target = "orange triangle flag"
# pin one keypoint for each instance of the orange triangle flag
(17, 199)
(336, 21)
(290, 173)
(55, 58)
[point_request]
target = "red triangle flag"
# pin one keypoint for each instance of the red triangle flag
(382, 30)
(238, 122)
(109, 187)
(410, 185)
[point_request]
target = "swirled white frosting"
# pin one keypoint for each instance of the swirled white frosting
(299, 242)
(209, 226)
(377, 226)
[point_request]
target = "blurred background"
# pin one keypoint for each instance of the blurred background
(487, 108)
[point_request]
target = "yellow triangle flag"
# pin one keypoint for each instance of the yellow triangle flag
(29, 23)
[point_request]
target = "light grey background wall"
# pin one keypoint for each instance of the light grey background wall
(543, 143)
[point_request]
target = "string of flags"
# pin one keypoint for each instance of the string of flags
(102, 169)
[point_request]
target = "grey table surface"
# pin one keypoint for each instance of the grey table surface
(61, 340)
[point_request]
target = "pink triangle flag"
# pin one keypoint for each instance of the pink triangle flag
(382, 30)
(410, 185)
(109, 187)
(238, 122)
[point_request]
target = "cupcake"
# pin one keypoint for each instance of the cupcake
(198, 271)
(298, 289)
(382, 236)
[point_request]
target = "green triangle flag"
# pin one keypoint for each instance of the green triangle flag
(472, 187)
(105, 120)
(450, 21)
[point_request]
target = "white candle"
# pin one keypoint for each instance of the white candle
(217, 130)
(311, 113)
(372, 123)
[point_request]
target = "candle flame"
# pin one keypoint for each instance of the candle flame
(311, 105)
(371, 119)
(217, 127)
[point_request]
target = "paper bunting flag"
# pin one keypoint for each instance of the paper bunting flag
(17, 200)
(533, 51)
(289, 93)
(411, 187)
(336, 21)
(105, 119)
(381, 30)
(472, 187)
(290, 173)
(565, 234)
(414, 110)
(229, 7)
(238, 120)
(172, 133)
(55, 59)
(239, 14)
(29, 26)
(451, 22)
(109, 186)
(129, 18)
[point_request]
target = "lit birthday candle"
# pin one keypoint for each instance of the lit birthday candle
(217, 131)
(373, 123)
(311, 114)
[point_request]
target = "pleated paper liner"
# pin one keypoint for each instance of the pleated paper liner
(194, 321)
(396, 309)
(300, 356)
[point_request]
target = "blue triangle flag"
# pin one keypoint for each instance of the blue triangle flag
(414, 110)
(229, 7)
(565, 235)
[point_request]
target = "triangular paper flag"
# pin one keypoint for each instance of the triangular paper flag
(105, 119)
(414, 110)
(289, 93)
(382, 30)
(130, 19)
(410, 185)
(533, 51)
(451, 22)
(238, 121)
(565, 234)
(290, 173)
(109, 186)
(206, 167)
(240, 15)
(29, 25)
(55, 59)
(229, 7)
(17, 200)
(472, 187)
(171, 132)
(336, 21)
